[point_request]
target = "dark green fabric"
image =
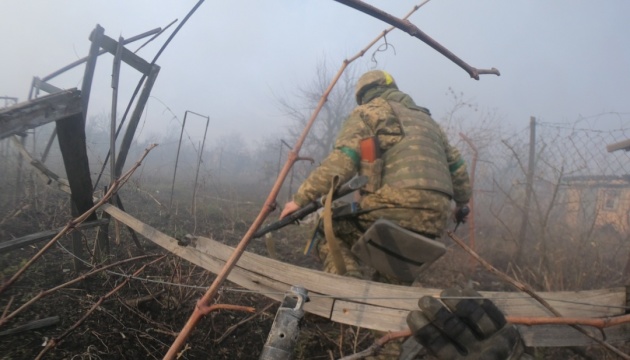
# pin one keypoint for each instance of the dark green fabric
(352, 154)
(453, 167)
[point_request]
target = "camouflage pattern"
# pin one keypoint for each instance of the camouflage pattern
(423, 211)
(404, 167)
(372, 79)
(418, 209)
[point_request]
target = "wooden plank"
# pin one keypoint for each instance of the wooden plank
(44, 173)
(31, 114)
(135, 119)
(128, 57)
(563, 335)
(36, 324)
(369, 304)
(369, 316)
(372, 317)
(7, 246)
(71, 136)
(90, 66)
(44, 86)
(592, 303)
(623, 145)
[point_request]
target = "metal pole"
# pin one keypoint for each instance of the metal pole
(179, 145)
(203, 143)
(529, 186)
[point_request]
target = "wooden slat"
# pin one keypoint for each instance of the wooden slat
(372, 317)
(72, 143)
(31, 114)
(44, 86)
(6, 246)
(563, 335)
(49, 177)
(623, 145)
(128, 57)
(375, 305)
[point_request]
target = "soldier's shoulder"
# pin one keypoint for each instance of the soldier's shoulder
(374, 109)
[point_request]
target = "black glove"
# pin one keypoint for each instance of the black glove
(472, 328)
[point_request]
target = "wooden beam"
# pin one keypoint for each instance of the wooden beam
(90, 66)
(376, 305)
(23, 241)
(623, 145)
(135, 119)
(44, 86)
(71, 135)
(31, 114)
(36, 324)
(128, 57)
(43, 172)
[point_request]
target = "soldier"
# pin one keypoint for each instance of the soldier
(414, 173)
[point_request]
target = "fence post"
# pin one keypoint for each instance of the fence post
(529, 186)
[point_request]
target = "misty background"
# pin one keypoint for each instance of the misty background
(257, 69)
(233, 60)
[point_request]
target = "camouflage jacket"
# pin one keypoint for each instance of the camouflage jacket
(376, 117)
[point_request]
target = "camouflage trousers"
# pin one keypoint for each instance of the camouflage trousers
(348, 232)
(429, 218)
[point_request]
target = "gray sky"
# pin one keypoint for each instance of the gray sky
(558, 59)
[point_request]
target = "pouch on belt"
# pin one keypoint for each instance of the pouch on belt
(396, 251)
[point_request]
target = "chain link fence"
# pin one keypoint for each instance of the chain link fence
(550, 195)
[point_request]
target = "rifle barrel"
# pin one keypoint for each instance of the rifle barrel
(354, 184)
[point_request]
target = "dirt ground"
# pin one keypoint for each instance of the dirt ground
(142, 319)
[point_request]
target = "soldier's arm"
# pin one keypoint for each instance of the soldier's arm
(343, 161)
(459, 173)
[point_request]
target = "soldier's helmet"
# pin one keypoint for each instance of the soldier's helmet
(372, 79)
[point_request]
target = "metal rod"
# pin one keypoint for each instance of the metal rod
(179, 145)
(203, 143)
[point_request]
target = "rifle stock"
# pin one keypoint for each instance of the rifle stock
(354, 184)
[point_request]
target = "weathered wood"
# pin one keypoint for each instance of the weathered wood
(128, 57)
(23, 241)
(370, 316)
(71, 135)
(100, 52)
(135, 119)
(44, 173)
(376, 305)
(90, 66)
(36, 324)
(622, 145)
(44, 86)
(31, 114)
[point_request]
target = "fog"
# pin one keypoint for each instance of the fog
(233, 60)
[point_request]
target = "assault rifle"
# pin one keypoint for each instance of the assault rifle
(354, 184)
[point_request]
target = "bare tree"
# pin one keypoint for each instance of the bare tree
(339, 105)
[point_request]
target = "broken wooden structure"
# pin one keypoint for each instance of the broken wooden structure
(68, 110)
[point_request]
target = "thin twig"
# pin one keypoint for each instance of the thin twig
(54, 342)
(116, 185)
(525, 288)
(66, 284)
(378, 345)
(235, 326)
